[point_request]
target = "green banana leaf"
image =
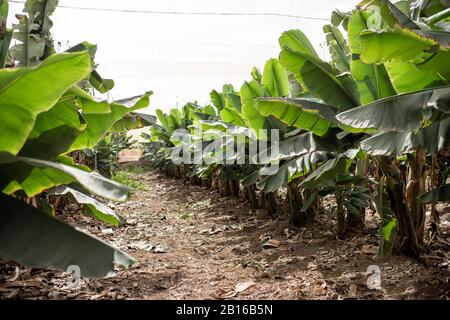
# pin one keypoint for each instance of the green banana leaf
(315, 75)
(6, 35)
(404, 45)
(275, 79)
(325, 175)
(388, 227)
(34, 176)
(256, 75)
(372, 80)
(99, 124)
(432, 139)
(297, 41)
(306, 114)
(338, 48)
(33, 32)
(37, 240)
(26, 92)
(440, 194)
(92, 207)
(232, 116)
(100, 84)
(399, 113)
(249, 92)
(54, 131)
(290, 170)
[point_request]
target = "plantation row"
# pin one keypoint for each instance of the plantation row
(51, 127)
(371, 127)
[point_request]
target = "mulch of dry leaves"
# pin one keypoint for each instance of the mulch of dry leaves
(191, 243)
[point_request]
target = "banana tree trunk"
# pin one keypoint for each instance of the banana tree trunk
(224, 188)
(416, 187)
(357, 222)
(234, 188)
(215, 184)
(298, 218)
(252, 197)
(341, 227)
(406, 240)
(434, 215)
(270, 203)
(314, 209)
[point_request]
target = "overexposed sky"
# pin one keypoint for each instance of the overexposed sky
(183, 57)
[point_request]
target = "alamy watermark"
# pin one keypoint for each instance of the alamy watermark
(236, 146)
(73, 280)
(374, 280)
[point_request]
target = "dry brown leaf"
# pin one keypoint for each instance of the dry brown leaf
(272, 243)
(226, 293)
(318, 241)
(241, 287)
(369, 249)
(352, 290)
(159, 249)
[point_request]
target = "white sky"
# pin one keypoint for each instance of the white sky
(183, 57)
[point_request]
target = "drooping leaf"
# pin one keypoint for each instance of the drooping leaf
(95, 79)
(434, 137)
(92, 207)
(327, 172)
(99, 124)
(38, 240)
(33, 176)
(388, 143)
(300, 144)
(440, 194)
(291, 169)
(399, 113)
(431, 139)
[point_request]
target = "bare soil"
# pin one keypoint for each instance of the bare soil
(191, 243)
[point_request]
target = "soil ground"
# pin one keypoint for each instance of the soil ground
(191, 243)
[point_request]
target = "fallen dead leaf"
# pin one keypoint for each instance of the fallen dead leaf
(352, 290)
(369, 249)
(225, 293)
(241, 287)
(318, 241)
(108, 231)
(272, 243)
(159, 249)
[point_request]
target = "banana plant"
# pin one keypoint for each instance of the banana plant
(33, 32)
(95, 80)
(5, 33)
(46, 116)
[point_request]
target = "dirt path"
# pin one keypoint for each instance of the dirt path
(193, 244)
